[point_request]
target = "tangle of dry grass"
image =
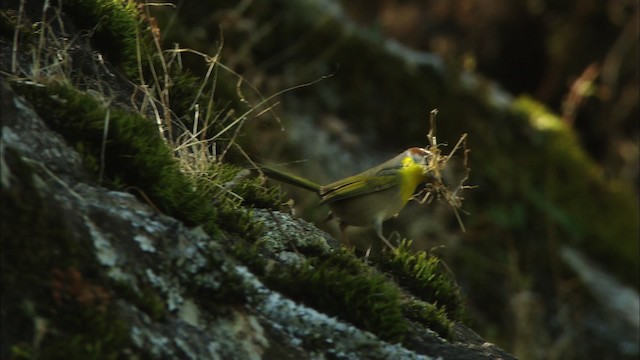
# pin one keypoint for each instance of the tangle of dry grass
(436, 164)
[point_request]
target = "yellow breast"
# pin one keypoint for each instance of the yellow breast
(411, 175)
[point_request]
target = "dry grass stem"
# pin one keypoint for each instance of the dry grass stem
(436, 165)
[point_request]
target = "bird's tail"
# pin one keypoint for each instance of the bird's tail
(290, 179)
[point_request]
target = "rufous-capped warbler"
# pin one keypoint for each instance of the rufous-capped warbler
(372, 196)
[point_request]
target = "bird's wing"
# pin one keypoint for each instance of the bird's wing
(356, 185)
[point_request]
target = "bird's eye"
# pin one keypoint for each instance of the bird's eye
(420, 155)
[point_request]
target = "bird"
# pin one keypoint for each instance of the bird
(368, 198)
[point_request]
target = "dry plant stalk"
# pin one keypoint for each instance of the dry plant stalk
(436, 163)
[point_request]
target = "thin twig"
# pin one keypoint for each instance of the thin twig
(103, 146)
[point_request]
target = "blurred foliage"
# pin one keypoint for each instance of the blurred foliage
(579, 57)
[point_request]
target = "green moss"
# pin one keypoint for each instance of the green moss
(135, 155)
(217, 96)
(339, 284)
(342, 286)
(215, 283)
(249, 189)
(430, 315)
(116, 27)
(152, 304)
(423, 276)
(146, 299)
(233, 192)
(248, 255)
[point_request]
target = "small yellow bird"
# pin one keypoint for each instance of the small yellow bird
(372, 196)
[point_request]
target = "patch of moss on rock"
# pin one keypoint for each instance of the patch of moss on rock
(137, 159)
(338, 283)
(118, 30)
(341, 285)
(146, 299)
(135, 156)
(234, 192)
(429, 315)
(424, 277)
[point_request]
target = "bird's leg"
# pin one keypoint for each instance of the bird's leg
(329, 217)
(345, 238)
(366, 255)
(378, 228)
